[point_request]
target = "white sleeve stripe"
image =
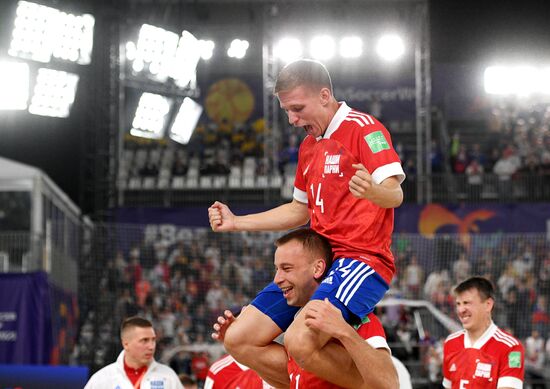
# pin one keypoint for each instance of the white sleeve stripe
(510, 382)
(446, 383)
(378, 342)
(209, 383)
(389, 170)
(300, 195)
(350, 119)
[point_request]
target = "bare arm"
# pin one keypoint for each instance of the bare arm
(374, 365)
(283, 217)
(387, 194)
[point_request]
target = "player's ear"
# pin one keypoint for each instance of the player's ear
(325, 95)
(320, 267)
(490, 304)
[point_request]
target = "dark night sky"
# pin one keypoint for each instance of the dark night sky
(480, 32)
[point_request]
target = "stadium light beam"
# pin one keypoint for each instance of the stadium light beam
(322, 47)
(186, 121)
(516, 80)
(351, 47)
(54, 93)
(14, 78)
(288, 49)
(238, 48)
(150, 116)
(390, 47)
(206, 48)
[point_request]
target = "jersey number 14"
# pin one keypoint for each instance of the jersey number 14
(318, 200)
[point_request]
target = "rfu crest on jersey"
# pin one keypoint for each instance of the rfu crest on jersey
(332, 164)
(483, 370)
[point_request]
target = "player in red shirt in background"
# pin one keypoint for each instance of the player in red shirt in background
(227, 373)
(301, 260)
(481, 355)
(347, 184)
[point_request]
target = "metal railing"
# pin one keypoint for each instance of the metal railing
(445, 188)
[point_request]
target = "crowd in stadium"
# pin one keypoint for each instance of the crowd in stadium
(183, 286)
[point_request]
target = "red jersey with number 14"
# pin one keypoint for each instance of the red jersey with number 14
(372, 332)
(356, 228)
(495, 360)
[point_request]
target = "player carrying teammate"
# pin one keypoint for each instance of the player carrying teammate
(347, 184)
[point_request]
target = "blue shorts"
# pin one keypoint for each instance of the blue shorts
(353, 287)
(271, 302)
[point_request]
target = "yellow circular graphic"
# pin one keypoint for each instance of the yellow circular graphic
(229, 99)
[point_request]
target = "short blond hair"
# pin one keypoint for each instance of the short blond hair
(303, 72)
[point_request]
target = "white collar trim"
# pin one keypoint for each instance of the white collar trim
(338, 118)
(488, 334)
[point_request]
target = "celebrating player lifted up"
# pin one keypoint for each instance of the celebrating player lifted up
(347, 184)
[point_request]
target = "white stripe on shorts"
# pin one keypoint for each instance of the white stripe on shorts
(351, 281)
(357, 285)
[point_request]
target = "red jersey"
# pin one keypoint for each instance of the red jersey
(372, 332)
(356, 228)
(226, 373)
(495, 360)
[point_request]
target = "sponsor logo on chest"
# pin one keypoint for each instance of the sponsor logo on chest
(157, 384)
(332, 164)
(483, 370)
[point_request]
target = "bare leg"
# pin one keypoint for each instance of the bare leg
(249, 339)
(320, 354)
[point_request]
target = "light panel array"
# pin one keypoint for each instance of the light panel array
(165, 54)
(150, 116)
(41, 32)
(323, 47)
(54, 93)
(186, 120)
(14, 81)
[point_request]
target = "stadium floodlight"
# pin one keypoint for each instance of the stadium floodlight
(186, 121)
(131, 51)
(288, 49)
(14, 78)
(322, 47)
(40, 32)
(351, 47)
(54, 93)
(206, 48)
(156, 47)
(74, 38)
(545, 81)
(515, 80)
(390, 47)
(238, 48)
(150, 116)
(34, 32)
(188, 54)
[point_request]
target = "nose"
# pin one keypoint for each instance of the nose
(293, 119)
(278, 279)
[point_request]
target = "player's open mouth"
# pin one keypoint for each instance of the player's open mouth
(286, 291)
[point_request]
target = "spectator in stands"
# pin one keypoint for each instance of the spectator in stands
(179, 167)
(474, 174)
(187, 382)
(413, 278)
(136, 363)
(504, 168)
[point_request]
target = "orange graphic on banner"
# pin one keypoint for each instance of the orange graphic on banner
(434, 216)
